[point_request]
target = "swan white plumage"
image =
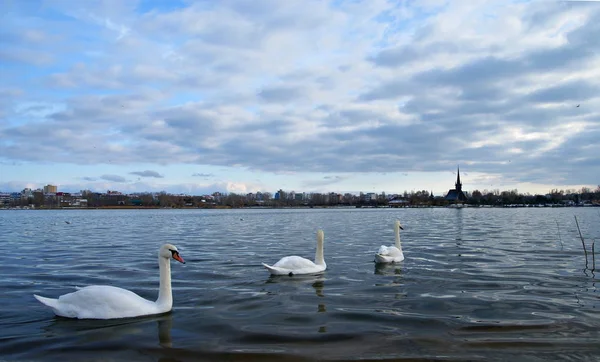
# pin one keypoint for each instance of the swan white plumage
(391, 254)
(296, 265)
(108, 302)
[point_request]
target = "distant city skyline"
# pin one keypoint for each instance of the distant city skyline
(127, 190)
(300, 95)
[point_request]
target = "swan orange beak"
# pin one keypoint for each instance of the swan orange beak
(177, 257)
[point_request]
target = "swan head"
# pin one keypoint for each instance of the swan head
(169, 251)
(398, 225)
(320, 235)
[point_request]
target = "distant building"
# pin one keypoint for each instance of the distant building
(456, 194)
(4, 198)
(26, 193)
(50, 189)
(398, 202)
(368, 197)
(281, 195)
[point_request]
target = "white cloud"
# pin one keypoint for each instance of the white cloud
(310, 86)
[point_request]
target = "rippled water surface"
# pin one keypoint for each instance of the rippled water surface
(477, 284)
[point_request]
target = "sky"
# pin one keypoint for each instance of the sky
(301, 95)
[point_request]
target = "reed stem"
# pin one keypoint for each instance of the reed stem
(593, 256)
(559, 238)
(582, 242)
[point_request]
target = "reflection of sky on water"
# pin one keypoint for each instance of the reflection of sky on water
(508, 269)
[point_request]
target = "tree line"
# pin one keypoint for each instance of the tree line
(234, 200)
(512, 197)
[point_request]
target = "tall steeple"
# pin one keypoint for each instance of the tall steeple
(458, 185)
(456, 194)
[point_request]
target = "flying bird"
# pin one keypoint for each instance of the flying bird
(578, 106)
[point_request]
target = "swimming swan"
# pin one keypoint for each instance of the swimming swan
(295, 265)
(391, 254)
(108, 302)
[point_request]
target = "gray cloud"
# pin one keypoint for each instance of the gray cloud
(191, 189)
(27, 56)
(325, 181)
(388, 90)
(113, 178)
(295, 89)
(576, 91)
(399, 56)
(147, 173)
(481, 71)
(280, 94)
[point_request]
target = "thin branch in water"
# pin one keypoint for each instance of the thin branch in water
(593, 255)
(559, 238)
(582, 242)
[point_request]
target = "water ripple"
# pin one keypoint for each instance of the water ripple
(491, 284)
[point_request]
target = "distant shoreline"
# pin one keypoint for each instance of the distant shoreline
(298, 207)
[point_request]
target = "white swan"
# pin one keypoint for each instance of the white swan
(391, 254)
(295, 265)
(107, 302)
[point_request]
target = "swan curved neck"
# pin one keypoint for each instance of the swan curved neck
(165, 298)
(319, 258)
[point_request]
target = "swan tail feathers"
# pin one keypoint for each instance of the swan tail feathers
(274, 270)
(388, 259)
(383, 250)
(382, 259)
(50, 302)
(268, 267)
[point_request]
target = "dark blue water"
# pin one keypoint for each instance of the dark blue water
(477, 284)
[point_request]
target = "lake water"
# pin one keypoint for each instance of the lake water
(476, 284)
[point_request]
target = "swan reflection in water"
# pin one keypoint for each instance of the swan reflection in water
(164, 331)
(99, 331)
(393, 269)
(317, 281)
(319, 285)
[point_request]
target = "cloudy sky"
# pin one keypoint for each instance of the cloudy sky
(257, 95)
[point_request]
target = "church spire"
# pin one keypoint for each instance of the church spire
(458, 184)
